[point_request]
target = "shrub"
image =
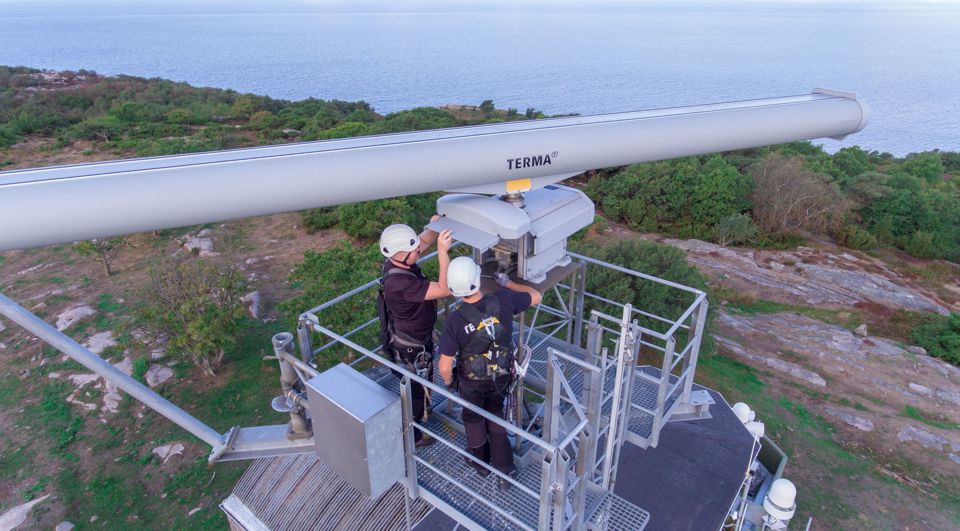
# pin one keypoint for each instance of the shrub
(318, 219)
(940, 335)
(196, 302)
(105, 249)
(734, 229)
(856, 237)
(789, 198)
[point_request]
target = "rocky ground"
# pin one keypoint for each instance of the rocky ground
(814, 329)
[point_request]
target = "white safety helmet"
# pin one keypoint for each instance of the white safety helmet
(398, 238)
(463, 276)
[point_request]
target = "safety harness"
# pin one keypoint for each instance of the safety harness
(489, 353)
(393, 339)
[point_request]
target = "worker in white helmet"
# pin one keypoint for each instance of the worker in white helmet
(407, 306)
(479, 337)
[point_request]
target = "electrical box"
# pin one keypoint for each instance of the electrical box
(530, 236)
(357, 426)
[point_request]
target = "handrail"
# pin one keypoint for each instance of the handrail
(638, 274)
(436, 388)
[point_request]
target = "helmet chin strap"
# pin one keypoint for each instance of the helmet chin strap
(405, 258)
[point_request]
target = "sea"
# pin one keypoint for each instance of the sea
(903, 59)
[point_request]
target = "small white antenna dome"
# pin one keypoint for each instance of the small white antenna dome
(742, 411)
(780, 501)
(757, 429)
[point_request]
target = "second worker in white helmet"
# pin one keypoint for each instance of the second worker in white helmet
(410, 305)
(479, 337)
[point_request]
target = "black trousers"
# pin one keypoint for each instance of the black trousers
(486, 440)
(417, 393)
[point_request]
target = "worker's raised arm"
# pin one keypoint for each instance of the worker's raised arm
(439, 289)
(504, 281)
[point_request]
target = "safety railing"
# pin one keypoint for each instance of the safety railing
(584, 364)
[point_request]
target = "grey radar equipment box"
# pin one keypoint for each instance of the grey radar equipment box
(529, 231)
(360, 425)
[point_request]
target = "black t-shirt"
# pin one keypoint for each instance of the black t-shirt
(411, 313)
(457, 330)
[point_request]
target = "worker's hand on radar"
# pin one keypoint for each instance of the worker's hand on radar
(445, 240)
(502, 279)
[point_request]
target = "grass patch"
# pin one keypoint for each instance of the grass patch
(11, 391)
(248, 383)
(62, 426)
(140, 366)
(911, 412)
(106, 304)
(747, 305)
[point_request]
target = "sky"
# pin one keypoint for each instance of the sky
(74, 7)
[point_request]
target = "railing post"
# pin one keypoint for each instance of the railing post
(409, 447)
(551, 410)
(581, 287)
(303, 338)
(558, 490)
(547, 473)
(697, 321)
(662, 391)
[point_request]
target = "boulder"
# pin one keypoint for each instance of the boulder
(861, 330)
(64, 526)
(2, 326)
(922, 389)
(97, 343)
(927, 439)
(157, 374)
(201, 244)
(777, 364)
(860, 423)
(252, 302)
(68, 318)
(919, 351)
(17, 515)
(167, 451)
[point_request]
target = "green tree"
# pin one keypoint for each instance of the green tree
(487, 108)
(105, 249)
(196, 302)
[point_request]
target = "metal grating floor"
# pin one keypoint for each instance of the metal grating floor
(617, 514)
(514, 501)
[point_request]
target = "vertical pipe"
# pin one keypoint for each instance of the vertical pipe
(551, 409)
(68, 346)
(289, 386)
(571, 310)
(635, 337)
(306, 345)
(698, 319)
(616, 413)
(581, 288)
(662, 391)
(409, 447)
(518, 387)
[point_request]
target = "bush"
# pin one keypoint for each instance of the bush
(856, 237)
(366, 220)
(940, 336)
(196, 302)
(789, 198)
(318, 219)
(735, 229)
